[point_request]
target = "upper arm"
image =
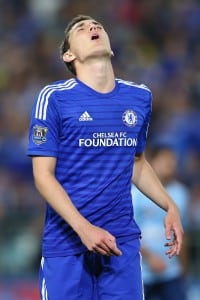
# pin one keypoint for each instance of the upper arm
(139, 156)
(137, 166)
(146, 116)
(43, 166)
(44, 130)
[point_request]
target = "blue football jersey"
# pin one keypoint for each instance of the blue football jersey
(94, 138)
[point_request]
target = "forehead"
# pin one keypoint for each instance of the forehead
(83, 23)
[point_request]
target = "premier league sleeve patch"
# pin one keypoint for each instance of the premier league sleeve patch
(39, 134)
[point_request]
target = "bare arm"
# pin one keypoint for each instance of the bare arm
(148, 183)
(94, 238)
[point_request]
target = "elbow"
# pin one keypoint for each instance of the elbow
(138, 167)
(40, 181)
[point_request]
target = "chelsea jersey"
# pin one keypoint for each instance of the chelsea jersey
(94, 138)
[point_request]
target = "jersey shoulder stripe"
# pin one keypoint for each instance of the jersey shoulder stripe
(130, 83)
(43, 98)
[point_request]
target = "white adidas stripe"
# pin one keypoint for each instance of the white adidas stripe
(85, 117)
(47, 99)
(143, 296)
(43, 98)
(45, 90)
(141, 86)
(44, 290)
(44, 293)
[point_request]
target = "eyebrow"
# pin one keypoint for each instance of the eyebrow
(81, 24)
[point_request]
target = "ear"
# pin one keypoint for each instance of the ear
(68, 56)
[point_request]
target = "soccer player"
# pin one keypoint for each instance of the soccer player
(87, 140)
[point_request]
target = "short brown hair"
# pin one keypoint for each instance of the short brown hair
(65, 43)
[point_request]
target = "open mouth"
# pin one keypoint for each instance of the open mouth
(95, 36)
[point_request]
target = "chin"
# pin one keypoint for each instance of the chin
(102, 52)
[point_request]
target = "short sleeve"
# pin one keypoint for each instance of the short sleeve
(44, 126)
(142, 138)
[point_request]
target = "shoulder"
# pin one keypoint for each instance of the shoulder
(133, 85)
(57, 86)
(141, 94)
(49, 95)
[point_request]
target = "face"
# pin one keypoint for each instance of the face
(87, 39)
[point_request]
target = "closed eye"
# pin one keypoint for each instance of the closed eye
(80, 28)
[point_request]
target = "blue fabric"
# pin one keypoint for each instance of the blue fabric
(93, 277)
(94, 137)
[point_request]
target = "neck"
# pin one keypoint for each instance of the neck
(97, 74)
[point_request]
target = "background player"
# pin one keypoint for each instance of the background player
(162, 276)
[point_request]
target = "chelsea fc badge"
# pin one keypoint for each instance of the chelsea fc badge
(129, 118)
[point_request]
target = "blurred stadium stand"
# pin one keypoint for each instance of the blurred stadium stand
(155, 42)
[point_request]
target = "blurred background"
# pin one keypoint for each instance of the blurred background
(155, 42)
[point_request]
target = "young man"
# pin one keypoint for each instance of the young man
(86, 133)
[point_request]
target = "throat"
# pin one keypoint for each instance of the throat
(104, 86)
(98, 76)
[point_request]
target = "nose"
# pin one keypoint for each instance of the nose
(93, 27)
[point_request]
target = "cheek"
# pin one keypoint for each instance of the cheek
(107, 41)
(76, 51)
(77, 47)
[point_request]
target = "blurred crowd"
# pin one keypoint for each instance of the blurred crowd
(155, 42)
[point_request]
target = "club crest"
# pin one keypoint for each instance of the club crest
(129, 118)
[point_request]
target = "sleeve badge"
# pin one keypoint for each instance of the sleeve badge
(39, 134)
